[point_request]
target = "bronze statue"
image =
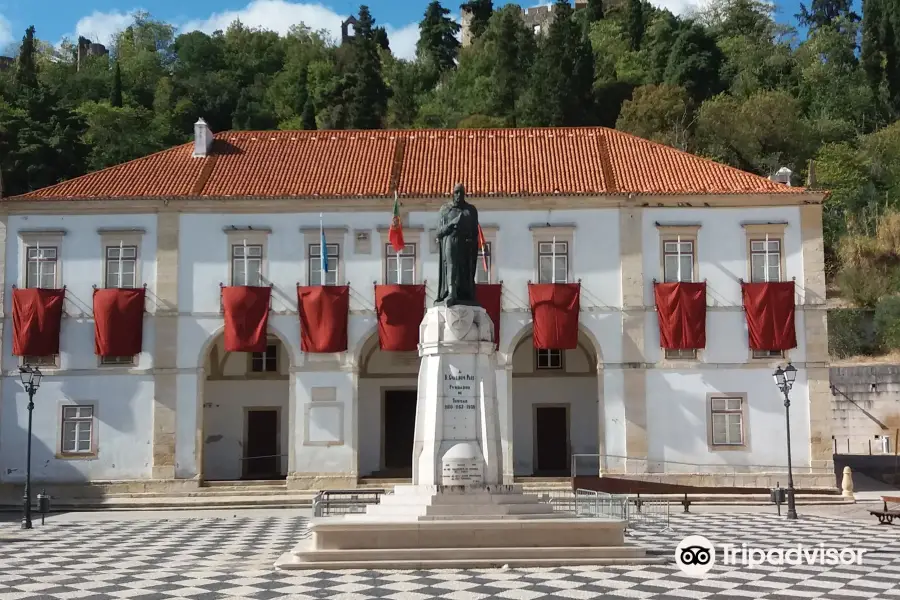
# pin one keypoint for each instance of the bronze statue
(458, 251)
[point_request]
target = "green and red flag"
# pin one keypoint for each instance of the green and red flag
(396, 233)
(482, 246)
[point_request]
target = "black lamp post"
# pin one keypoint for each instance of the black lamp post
(784, 379)
(31, 381)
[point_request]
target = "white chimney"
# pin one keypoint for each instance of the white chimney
(203, 138)
(783, 175)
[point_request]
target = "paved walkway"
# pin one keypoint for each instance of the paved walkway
(229, 554)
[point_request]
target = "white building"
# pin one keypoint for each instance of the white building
(622, 212)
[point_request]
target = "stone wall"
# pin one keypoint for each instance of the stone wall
(865, 407)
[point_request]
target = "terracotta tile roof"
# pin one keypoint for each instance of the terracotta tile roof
(490, 162)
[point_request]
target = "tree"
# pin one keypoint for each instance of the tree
(824, 13)
(115, 96)
(562, 76)
(479, 12)
(695, 63)
(635, 23)
(661, 113)
(309, 115)
(363, 88)
(437, 47)
(26, 69)
(593, 10)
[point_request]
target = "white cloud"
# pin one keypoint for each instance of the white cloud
(6, 35)
(280, 15)
(102, 27)
(682, 7)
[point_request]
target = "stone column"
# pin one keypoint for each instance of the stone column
(816, 334)
(165, 351)
(633, 315)
(505, 412)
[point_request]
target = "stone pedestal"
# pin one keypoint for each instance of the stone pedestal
(458, 513)
(457, 440)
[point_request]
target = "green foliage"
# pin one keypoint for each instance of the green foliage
(437, 47)
(848, 332)
(887, 322)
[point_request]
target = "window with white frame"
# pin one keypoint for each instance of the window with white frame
(765, 259)
(553, 262)
(483, 268)
(763, 354)
(265, 362)
(77, 429)
(406, 272)
(41, 267)
(548, 359)
(727, 416)
(246, 264)
(681, 353)
(121, 266)
(678, 260)
(113, 361)
(315, 264)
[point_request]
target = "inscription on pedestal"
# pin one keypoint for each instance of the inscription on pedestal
(462, 472)
(459, 392)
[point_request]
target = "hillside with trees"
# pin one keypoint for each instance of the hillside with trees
(728, 83)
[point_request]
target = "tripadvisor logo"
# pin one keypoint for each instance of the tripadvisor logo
(695, 555)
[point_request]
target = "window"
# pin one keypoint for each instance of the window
(727, 421)
(117, 361)
(548, 359)
(483, 268)
(768, 354)
(246, 264)
(678, 260)
(765, 260)
(40, 361)
(553, 262)
(265, 362)
(121, 266)
(77, 429)
(407, 259)
(315, 264)
(681, 354)
(40, 272)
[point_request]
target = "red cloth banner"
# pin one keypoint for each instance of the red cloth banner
(118, 321)
(554, 309)
(323, 317)
(400, 310)
(770, 315)
(488, 296)
(681, 310)
(37, 318)
(246, 317)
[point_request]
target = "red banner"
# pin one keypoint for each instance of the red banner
(246, 317)
(554, 309)
(770, 315)
(37, 318)
(323, 317)
(681, 310)
(400, 310)
(118, 321)
(488, 296)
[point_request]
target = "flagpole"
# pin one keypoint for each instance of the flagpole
(246, 272)
(120, 263)
(678, 255)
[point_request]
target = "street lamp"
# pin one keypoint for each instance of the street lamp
(31, 381)
(784, 379)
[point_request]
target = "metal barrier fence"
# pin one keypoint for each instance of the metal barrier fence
(635, 511)
(329, 503)
(594, 464)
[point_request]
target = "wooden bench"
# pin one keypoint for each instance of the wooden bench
(887, 515)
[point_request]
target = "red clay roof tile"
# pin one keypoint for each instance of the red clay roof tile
(490, 162)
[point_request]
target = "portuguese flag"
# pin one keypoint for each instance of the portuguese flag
(396, 233)
(482, 246)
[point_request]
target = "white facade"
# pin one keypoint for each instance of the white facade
(331, 423)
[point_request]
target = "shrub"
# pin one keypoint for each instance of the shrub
(849, 332)
(866, 285)
(887, 322)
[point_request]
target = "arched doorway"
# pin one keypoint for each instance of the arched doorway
(555, 406)
(245, 413)
(388, 383)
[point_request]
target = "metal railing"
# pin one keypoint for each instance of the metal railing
(652, 515)
(595, 464)
(329, 503)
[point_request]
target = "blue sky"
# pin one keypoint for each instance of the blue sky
(99, 19)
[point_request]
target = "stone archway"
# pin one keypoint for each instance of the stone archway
(245, 418)
(555, 401)
(386, 405)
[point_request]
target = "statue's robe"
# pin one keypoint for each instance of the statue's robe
(458, 254)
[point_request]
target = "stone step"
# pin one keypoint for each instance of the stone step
(471, 553)
(176, 502)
